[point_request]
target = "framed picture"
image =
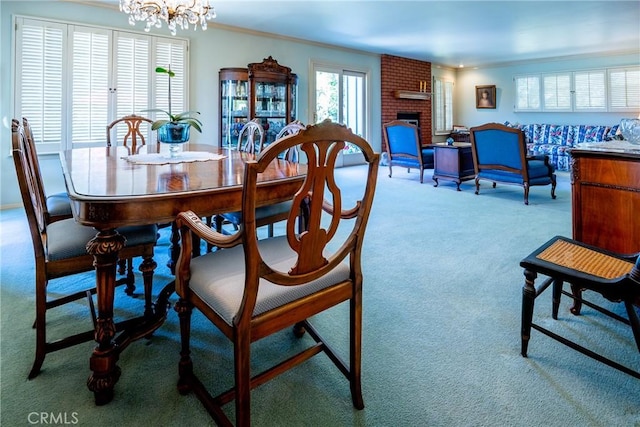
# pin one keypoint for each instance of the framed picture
(486, 96)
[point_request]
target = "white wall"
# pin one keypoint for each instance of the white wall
(210, 50)
(502, 77)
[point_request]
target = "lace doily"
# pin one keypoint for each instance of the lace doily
(165, 158)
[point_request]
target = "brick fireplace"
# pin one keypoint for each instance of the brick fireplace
(403, 74)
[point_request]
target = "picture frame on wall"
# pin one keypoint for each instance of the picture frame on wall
(486, 96)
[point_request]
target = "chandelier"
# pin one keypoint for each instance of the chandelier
(176, 13)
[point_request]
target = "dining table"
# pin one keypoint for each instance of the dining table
(110, 188)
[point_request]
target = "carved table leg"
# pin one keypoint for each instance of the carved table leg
(104, 248)
(174, 249)
(147, 268)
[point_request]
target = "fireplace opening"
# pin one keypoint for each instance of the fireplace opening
(411, 117)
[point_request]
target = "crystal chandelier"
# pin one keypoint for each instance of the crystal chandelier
(176, 13)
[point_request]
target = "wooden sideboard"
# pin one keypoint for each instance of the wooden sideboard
(605, 186)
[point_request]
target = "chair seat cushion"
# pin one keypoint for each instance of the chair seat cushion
(539, 173)
(261, 213)
(218, 278)
(68, 239)
(409, 162)
(427, 155)
(59, 205)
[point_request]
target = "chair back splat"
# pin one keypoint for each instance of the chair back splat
(134, 138)
(251, 137)
(252, 288)
(57, 205)
(265, 215)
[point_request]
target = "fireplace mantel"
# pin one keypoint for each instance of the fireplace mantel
(410, 94)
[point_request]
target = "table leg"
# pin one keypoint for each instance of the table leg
(105, 372)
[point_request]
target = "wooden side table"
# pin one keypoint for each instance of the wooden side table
(453, 163)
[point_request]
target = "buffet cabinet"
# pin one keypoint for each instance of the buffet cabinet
(605, 191)
(264, 90)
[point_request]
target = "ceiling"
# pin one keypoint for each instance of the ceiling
(451, 33)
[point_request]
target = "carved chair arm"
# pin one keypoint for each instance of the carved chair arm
(345, 214)
(191, 221)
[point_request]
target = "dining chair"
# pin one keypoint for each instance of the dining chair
(58, 204)
(134, 137)
(251, 137)
(60, 250)
(269, 215)
(254, 288)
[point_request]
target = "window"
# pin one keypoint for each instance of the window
(341, 95)
(527, 93)
(442, 105)
(557, 92)
(71, 81)
(590, 90)
(615, 89)
(624, 89)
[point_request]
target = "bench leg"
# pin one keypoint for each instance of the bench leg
(528, 300)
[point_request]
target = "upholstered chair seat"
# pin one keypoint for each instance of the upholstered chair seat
(218, 279)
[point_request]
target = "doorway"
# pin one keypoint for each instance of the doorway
(340, 94)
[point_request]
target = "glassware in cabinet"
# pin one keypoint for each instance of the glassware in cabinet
(234, 104)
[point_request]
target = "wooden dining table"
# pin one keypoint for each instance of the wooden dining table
(108, 191)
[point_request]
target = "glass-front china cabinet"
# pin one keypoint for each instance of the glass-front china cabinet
(264, 90)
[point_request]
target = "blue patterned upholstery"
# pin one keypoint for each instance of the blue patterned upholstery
(556, 141)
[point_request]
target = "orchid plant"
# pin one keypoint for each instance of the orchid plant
(186, 117)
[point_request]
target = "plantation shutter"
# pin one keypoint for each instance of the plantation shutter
(527, 93)
(90, 84)
(443, 100)
(170, 53)
(40, 56)
(590, 90)
(557, 92)
(624, 89)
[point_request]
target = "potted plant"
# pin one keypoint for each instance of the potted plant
(176, 128)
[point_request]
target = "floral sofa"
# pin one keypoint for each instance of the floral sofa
(556, 140)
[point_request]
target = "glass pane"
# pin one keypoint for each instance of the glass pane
(327, 91)
(235, 110)
(353, 106)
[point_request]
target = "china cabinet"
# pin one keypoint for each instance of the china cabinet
(264, 90)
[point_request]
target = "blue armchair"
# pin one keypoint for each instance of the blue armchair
(404, 147)
(500, 155)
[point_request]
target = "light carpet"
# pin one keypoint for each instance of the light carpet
(441, 339)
